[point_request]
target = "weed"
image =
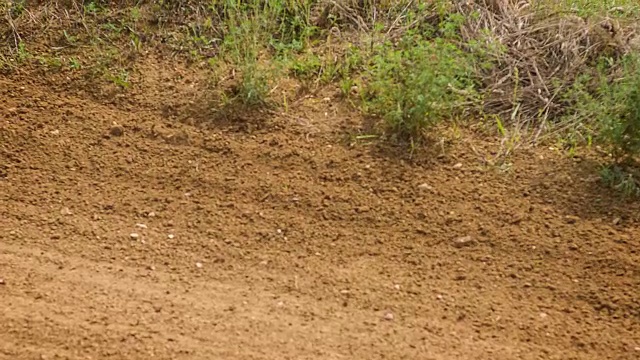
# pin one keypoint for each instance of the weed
(120, 78)
(74, 64)
(22, 54)
(621, 180)
(418, 83)
(609, 108)
(620, 121)
(49, 62)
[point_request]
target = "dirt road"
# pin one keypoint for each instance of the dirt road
(168, 237)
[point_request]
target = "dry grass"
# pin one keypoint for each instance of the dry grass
(543, 53)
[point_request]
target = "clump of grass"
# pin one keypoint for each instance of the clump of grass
(418, 83)
(621, 180)
(253, 34)
(618, 112)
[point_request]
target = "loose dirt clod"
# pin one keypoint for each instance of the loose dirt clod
(116, 131)
(570, 219)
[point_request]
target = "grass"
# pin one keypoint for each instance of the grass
(566, 75)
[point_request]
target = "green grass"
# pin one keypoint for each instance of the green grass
(418, 83)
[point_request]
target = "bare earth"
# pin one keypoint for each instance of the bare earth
(278, 240)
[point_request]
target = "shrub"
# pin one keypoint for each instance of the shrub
(619, 117)
(418, 83)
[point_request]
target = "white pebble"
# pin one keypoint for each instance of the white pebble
(141, 226)
(170, 236)
(396, 286)
(134, 236)
(199, 265)
(388, 316)
(543, 315)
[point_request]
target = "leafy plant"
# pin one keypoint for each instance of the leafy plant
(418, 83)
(619, 115)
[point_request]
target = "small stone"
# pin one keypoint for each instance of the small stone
(363, 209)
(543, 315)
(2, 282)
(457, 166)
(65, 211)
(170, 236)
(344, 292)
(462, 242)
(55, 132)
(637, 348)
(134, 236)
(440, 297)
(199, 265)
(396, 286)
(389, 316)
(141, 226)
(425, 186)
(116, 130)
(573, 247)
(460, 277)
(151, 214)
(528, 285)
(616, 221)
(571, 219)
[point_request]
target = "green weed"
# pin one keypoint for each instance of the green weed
(418, 83)
(620, 180)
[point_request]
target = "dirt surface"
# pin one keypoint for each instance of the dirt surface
(136, 227)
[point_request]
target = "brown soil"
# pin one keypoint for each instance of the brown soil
(275, 238)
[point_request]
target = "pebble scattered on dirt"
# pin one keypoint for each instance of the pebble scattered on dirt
(425, 186)
(462, 242)
(134, 236)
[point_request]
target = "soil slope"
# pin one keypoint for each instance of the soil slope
(174, 236)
